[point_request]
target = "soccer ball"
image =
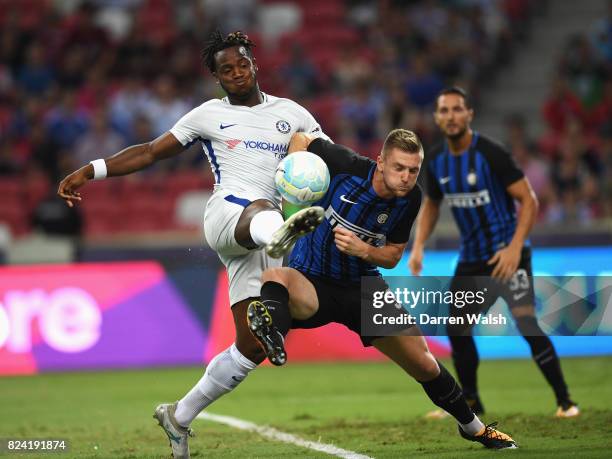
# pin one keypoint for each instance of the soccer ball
(302, 178)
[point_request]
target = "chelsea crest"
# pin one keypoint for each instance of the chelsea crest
(283, 126)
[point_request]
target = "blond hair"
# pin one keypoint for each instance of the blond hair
(404, 140)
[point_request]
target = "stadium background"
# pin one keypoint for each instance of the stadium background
(81, 80)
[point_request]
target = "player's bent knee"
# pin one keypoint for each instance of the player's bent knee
(429, 368)
(275, 275)
(242, 232)
(522, 311)
(457, 330)
(528, 326)
(303, 311)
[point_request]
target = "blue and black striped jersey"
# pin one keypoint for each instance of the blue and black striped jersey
(474, 184)
(352, 203)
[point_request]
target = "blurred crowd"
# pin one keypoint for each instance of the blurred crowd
(570, 166)
(81, 80)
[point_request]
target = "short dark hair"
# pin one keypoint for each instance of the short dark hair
(455, 90)
(217, 42)
(403, 139)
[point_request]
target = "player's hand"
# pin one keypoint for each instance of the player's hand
(348, 243)
(415, 262)
(67, 187)
(506, 262)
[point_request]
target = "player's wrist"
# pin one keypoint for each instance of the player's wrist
(98, 169)
(87, 171)
(516, 245)
(365, 255)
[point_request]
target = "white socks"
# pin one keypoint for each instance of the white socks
(263, 225)
(473, 427)
(222, 375)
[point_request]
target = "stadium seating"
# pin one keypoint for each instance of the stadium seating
(324, 29)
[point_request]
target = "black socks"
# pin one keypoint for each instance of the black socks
(465, 359)
(446, 394)
(544, 355)
(276, 298)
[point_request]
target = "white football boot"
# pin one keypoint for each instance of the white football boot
(177, 434)
(302, 222)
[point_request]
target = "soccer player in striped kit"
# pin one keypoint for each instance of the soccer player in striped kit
(369, 211)
(480, 182)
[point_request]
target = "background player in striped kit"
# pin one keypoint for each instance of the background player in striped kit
(244, 135)
(480, 181)
(369, 211)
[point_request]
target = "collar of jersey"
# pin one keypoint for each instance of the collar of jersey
(265, 101)
(472, 146)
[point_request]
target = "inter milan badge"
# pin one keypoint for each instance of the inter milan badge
(382, 218)
(472, 178)
(283, 126)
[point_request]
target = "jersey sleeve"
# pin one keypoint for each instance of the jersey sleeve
(189, 128)
(502, 164)
(401, 232)
(432, 187)
(340, 159)
(311, 126)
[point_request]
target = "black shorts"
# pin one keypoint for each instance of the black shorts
(475, 276)
(339, 302)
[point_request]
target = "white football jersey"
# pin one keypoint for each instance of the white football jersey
(245, 144)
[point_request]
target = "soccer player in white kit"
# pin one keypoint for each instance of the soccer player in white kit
(244, 136)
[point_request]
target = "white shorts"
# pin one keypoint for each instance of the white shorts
(244, 266)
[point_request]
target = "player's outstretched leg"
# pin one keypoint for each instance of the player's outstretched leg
(223, 374)
(300, 223)
(465, 359)
(177, 434)
(411, 353)
(265, 331)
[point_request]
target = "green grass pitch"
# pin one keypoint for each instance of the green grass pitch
(372, 409)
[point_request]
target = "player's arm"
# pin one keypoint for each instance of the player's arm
(387, 256)
(502, 164)
(426, 222)
(299, 142)
(129, 160)
(506, 260)
(338, 158)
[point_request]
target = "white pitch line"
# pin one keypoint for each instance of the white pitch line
(273, 434)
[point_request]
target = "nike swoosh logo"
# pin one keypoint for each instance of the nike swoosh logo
(518, 296)
(171, 436)
(237, 379)
(444, 180)
(342, 198)
(221, 126)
